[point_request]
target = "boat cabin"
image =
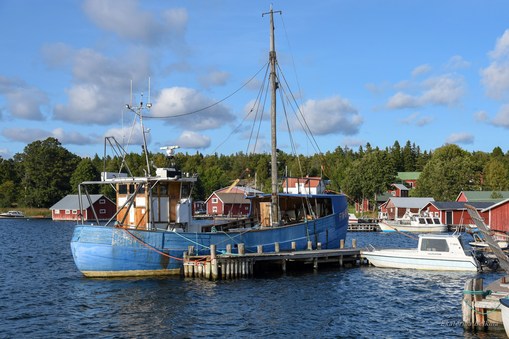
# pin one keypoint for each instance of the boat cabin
(154, 202)
(441, 243)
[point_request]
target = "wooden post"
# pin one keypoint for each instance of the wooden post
(213, 262)
(480, 321)
(466, 306)
(294, 245)
(276, 247)
(186, 264)
(242, 249)
(259, 249)
(310, 245)
(354, 243)
(223, 269)
(342, 243)
(207, 269)
(229, 249)
(190, 250)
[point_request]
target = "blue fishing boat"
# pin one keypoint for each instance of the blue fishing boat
(153, 225)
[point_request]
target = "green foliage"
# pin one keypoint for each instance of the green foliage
(85, 171)
(496, 175)
(8, 194)
(449, 171)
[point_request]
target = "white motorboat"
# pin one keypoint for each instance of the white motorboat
(441, 252)
(413, 223)
(12, 214)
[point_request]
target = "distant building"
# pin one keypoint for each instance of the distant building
(230, 201)
(409, 178)
(68, 208)
(469, 196)
(396, 207)
(454, 213)
(306, 185)
(498, 216)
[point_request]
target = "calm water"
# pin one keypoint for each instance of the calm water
(43, 295)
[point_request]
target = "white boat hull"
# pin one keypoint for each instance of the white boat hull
(390, 227)
(411, 259)
(504, 308)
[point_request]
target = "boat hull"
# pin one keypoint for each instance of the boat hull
(504, 308)
(387, 227)
(101, 251)
(409, 259)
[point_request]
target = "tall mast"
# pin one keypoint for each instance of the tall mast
(272, 59)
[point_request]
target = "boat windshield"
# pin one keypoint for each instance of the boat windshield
(437, 221)
(434, 245)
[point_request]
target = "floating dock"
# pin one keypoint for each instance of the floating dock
(243, 265)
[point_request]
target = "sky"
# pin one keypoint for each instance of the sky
(428, 72)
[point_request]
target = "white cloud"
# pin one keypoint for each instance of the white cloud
(190, 139)
(422, 69)
(402, 100)
(127, 135)
(446, 90)
(29, 135)
(333, 115)
(126, 19)
(22, 100)
(214, 78)
(100, 87)
(502, 117)
(481, 116)
(189, 103)
(457, 62)
(460, 138)
(417, 120)
(495, 77)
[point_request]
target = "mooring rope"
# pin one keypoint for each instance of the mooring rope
(150, 246)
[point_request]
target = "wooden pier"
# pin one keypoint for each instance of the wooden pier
(242, 265)
(363, 227)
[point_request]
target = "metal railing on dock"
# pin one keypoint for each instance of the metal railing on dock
(242, 265)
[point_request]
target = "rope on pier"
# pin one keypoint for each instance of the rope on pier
(483, 293)
(479, 312)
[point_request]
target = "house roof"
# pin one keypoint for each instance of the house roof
(401, 187)
(484, 195)
(71, 202)
(495, 204)
(405, 202)
(459, 205)
(238, 189)
(232, 198)
(307, 181)
(408, 175)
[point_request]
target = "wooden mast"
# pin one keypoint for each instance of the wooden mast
(274, 208)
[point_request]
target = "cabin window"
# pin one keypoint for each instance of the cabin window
(163, 191)
(214, 201)
(74, 212)
(185, 190)
(67, 211)
(428, 220)
(437, 221)
(102, 211)
(422, 221)
(131, 189)
(122, 189)
(434, 245)
(102, 201)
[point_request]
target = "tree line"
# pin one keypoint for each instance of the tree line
(45, 171)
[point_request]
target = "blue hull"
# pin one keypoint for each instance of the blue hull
(102, 251)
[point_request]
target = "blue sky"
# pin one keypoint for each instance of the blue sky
(432, 72)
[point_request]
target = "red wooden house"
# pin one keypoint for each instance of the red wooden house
(68, 208)
(498, 216)
(454, 213)
(230, 202)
